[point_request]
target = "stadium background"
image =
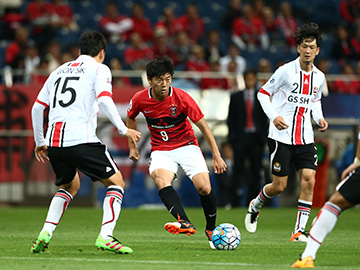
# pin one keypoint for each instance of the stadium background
(24, 181)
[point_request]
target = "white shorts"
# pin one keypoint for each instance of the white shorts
(189, 157)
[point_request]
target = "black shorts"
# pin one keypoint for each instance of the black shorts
(92, 159)
(350, 187)
(282, 155)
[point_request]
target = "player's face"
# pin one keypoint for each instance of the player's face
(308, 50)
(160, 86)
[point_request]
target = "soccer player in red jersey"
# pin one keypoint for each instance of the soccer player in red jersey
(174, 144)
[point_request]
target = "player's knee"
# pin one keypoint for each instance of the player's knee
(204, 190)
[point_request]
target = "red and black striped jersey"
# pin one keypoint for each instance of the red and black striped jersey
(296, 95)
(167, 120)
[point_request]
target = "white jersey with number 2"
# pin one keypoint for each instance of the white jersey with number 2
(296, 95)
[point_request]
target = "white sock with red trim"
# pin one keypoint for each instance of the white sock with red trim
(111, 207)
(324, 224)
(304, 209)
(57, 208)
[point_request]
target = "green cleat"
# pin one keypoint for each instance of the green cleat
(42, 243)
(112, 244)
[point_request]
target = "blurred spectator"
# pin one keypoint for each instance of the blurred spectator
(40, 15)
(141, 24)
(249, 30)
(348, 83)
(287, 23)
(233, 11)
(323, 64)
(258, 8)
(233, 55)
(161, 47)
(197, 62)
(341, 49)
(213, 49)
(234, 78)
(169, 21)
(264, 67)
(12, 18)
(116, 68)
(192, 23)
(16, 47)
(137, 54)
(214, 82)
(63, 15)
(32, 60)
(182, 47)
(66, 57)
(270, 27)
(355, 42)
(350, 11)
(73, 49)
(116, 27)
(41, 73)
(53, 55)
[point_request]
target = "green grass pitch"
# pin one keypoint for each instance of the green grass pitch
(72, 246)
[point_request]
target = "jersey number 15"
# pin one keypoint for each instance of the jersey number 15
(65, 89)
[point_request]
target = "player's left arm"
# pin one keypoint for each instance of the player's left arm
(218, 163)
(316, 110)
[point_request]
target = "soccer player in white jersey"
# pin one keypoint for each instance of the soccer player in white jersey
(173, 143)
(73, 93)
(295, 89)
(345, 197)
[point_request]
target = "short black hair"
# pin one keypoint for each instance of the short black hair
(249, 71)
(308, 31)
(159, 67)
(92, 42)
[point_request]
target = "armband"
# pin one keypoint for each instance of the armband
(356, 161)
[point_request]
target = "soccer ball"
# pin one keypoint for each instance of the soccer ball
(226, 236)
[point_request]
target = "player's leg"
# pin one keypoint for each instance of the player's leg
(324, 224)
(111, 212)
(307, 179)
(69, 183)
(208, 202)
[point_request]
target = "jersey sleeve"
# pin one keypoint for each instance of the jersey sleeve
(103, 81)
(134, 108)
(316, 109)
(192, 109)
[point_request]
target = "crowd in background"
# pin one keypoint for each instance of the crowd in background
(33, 31)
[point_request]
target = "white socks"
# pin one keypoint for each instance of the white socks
(111, 207)
(57, 208)
(323, 225)
(304, 208)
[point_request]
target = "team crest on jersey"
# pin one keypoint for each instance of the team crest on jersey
(272, 80)
(315, 89)
(173, 111)
(108, 80)
(277, 167)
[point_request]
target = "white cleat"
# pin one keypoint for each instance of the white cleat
(251, 219)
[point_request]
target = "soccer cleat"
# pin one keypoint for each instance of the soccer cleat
(299, 237)
(112, 245)
(42, 243)
(181, 226)
(209, 236)
(307, 262)
(251, 219)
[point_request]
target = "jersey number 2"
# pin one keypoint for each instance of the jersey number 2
(65, 89)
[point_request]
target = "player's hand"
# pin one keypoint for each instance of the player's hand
(41, 153)
(219, 165)
(279, 123)
(348, 170)
(323, 125)
(133, 135)
(134, 154)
